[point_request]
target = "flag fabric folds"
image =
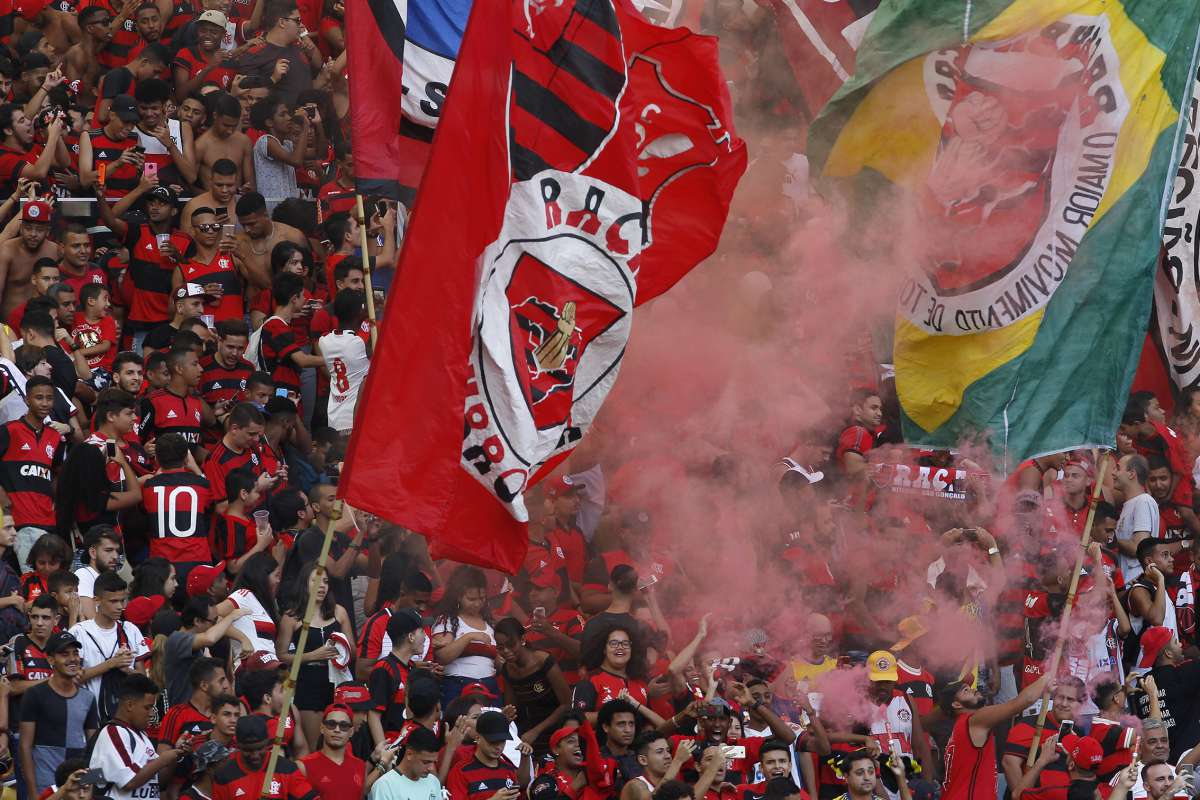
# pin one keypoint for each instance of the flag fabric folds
(1035, 140)
(584, 163)
(399, 49)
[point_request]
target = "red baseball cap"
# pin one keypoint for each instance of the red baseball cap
(29, 9)
(556, 487)
(259, 659)
(478, 688)
(1085, 751)
(201, 578)
(36, 211)
(546, 579)
(1154, 639)
(352, 695)
(336, 706)
(561, 734)
(142, 609)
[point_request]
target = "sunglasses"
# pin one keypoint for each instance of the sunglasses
(335, 725)
(208, 227)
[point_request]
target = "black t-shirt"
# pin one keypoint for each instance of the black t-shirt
(160, 338)
(61, 721)
(62, 369)
(1179, 696)
(261, 62)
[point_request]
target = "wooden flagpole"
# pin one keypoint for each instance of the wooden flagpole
(366, 262)
(289, 686)
(1063, 630)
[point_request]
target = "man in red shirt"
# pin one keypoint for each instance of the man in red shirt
(238, 449)
(857, 439)
(242, 776)
(16, 158)
(279, 351)
(333, 771)
(76, 268)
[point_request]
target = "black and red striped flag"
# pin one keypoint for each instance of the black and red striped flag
(584, 162)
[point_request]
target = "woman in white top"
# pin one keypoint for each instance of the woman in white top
(255, 590)
(462, 637)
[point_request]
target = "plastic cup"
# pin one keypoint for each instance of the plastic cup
(162, 239)
(262, 521)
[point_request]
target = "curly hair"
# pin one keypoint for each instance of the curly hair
(595, 645)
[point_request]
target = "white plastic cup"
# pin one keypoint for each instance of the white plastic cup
(262, 521)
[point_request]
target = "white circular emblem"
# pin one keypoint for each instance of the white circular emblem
(34, 212)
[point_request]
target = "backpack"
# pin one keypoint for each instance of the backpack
(254, 346)
(110, 682)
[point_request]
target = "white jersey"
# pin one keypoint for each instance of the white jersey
(898, 718)
(346, 360)
(153, 146)
(97, 645)
(259, 627)
(120, 753)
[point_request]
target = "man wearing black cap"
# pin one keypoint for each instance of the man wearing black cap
(489, 775)
(389, 677)
(241, 777)
(149, 271)
(57, 717)
(112, 147)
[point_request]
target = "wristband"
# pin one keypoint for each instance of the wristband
(993, 551)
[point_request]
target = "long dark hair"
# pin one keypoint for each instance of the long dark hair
(150, 577)
(300, 588)
(596, 644)
(461, 580)
(255, 577)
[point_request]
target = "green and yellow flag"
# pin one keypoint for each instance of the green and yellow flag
(1020, 153)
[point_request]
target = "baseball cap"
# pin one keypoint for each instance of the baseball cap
(352, 694)
(59, 642)
(213, 17)
(911, 629)
(717, 707)
(189, 290)
(1085, 751)
(479, 688)
(164, 193)
(561, 734)
(36, 211)
(492, 726)
(1154, 639)
(29, 9)
(125, 108)
(142, 609)
(557, 487)
(402, 623)
(881, 666)
(251, 728)
(259, 659)
(336, 706)
(201, 578)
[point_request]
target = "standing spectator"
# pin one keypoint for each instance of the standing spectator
(19, 254)
(225, 372)
(288, 58)
(45, 274)
(101, 551)
(212, 266)
(112, 149)
(615, 658)
(30, 453)
(124, 751)
(238, 450)
(388, 680)
(1177, 680)
(176, 408)
(533, 684)
(57, 716)
(97, 479)
(463, 641)
(1139, 513)
(95, 333)
(488, 773)
(111, 646)
(279, 152)
(333, 770)
(179, 502)
(314, 691)
(188, 304)
(347, 358)
(280, 350)
(208, 681)
(255, 590)
(226, 159)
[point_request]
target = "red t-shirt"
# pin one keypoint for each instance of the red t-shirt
(220, 270)
(88, 334)
(335, 781)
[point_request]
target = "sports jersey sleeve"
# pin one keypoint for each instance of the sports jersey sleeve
(371, 645)
(584, 697)
(11, 167)
(299, 788)
(456, 785)
(278, 341)
(216, 479)
(380, 684)
(112, 756)
(855, 439)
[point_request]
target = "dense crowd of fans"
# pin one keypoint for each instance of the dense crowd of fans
(185, 333)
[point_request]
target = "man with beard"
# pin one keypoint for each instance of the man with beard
(242, 776)
(57, 717)
(1073, 493)
(856, 440)
(17, 158)
(1178, 522)
(1069, 693)
(1083, 755)
(970, 753)
(17, 256)
(862, 778)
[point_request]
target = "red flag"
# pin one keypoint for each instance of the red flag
(583, 164)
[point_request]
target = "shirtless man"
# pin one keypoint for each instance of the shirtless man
(258, 237)
(221, 195)
(82, 62)
(18, 255)
(59, 27)
(224, 140)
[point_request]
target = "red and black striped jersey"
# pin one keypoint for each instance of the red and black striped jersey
(388, 683)
(220, 383)
(220, 270)
(118, 180)
(233, 780)
(477, 781)
(179, 502)
(1116, 740)
(278, 344)
(149, 275)
(232, 537)
(164, 411)
(181, 719)
(28, 458)
(33, 586)
(222, 461)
